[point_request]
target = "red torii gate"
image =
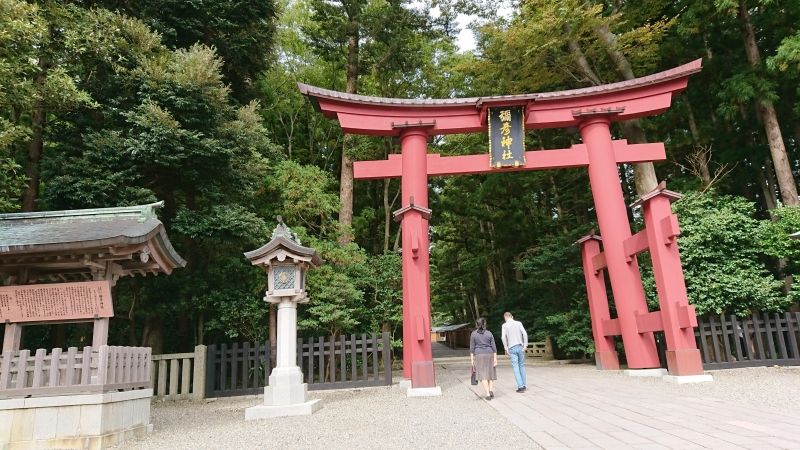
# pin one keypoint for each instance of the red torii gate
(592, 110)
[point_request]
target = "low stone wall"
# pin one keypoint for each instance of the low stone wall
(85, 421)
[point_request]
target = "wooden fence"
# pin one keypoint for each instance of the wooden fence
(327, 363)
(102, 369)
(760, 340)
(179, 375)
(237, 369)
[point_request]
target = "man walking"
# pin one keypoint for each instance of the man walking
(515, 341)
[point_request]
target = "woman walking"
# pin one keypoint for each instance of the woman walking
(483, 354)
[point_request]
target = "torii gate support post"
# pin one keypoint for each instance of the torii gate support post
(417, 357)
(677, 316)
(612, 218)
(605, 355)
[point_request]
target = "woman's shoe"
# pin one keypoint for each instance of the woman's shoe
(491, 394)
(489, 397)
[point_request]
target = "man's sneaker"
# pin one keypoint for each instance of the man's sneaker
(520, 390)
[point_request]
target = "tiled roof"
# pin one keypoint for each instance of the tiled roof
(83, 229)
(674, 73)
(446, 328)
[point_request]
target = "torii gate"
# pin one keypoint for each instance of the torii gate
(592, 110)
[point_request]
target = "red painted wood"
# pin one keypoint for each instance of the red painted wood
(416, 266)
(611, 327)
(599, 262)
(649, 322)
(605, 353)
(612, 218)
(377, 116)
(635, 244)
(661, 226)
(534, 160)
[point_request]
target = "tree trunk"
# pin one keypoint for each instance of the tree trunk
(184, 342)
(580, 58)
(693, 129)
(387, 216)
(201, 329)
(36, 146)
(766, 112)
(644, 174)
(346, 176)
(273, 333)
(766, 190)
(273, 323)
(153, 335)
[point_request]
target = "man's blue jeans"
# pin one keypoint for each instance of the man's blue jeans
(517, 354)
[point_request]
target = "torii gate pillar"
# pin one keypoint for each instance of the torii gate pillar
(414, 215)
(612, 217)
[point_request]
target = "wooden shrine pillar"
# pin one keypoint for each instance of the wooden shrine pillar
(678, 317)
(612, 218)
(414, 214)
(605, 355)
(111, 273)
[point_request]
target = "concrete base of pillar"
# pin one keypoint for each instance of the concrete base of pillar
(685, 379)
(285, 396)
(684, 362)
(267, 412)
(645, 372)
(404, 384)
(435, 391)
(607, 360)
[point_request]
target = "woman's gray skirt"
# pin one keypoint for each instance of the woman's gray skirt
(484, 366)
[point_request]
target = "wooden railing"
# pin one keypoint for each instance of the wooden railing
(180, 375)
(344, 362)
(327, 363)
(103, 369)
(760, 340)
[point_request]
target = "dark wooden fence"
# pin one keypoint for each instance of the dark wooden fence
(761, 340)
(327, 363)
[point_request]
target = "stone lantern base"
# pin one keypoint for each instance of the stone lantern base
(285, 396)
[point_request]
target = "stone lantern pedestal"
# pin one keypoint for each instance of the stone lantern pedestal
(286, 393)
(285, 261)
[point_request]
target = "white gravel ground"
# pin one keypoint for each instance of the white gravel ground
(384, 418)
(349, 419)
(768, 387)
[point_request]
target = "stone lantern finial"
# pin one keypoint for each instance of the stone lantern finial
(281, 230)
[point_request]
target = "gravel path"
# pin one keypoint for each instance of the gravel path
(385, 418)
(349, 419)
(764, 387)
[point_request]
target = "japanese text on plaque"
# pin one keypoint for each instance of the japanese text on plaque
(507, 136)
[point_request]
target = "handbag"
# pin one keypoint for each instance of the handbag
(474, 378)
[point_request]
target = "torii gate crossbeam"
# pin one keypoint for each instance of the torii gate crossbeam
(592, 110)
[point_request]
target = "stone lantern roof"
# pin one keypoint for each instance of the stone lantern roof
(284, 243)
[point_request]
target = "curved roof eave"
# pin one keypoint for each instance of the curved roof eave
(315, 93)
(288, 244)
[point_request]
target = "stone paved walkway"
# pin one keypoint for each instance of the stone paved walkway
(442, 351)
(579, 407)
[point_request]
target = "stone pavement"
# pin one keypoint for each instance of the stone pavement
(442, 351)
(580, 407)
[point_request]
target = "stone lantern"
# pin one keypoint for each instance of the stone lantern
(286, 262)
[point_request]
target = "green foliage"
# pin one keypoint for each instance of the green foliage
(570, 332)
(721, 251)
(242, 33)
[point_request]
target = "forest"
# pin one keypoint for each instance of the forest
(112, 103)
